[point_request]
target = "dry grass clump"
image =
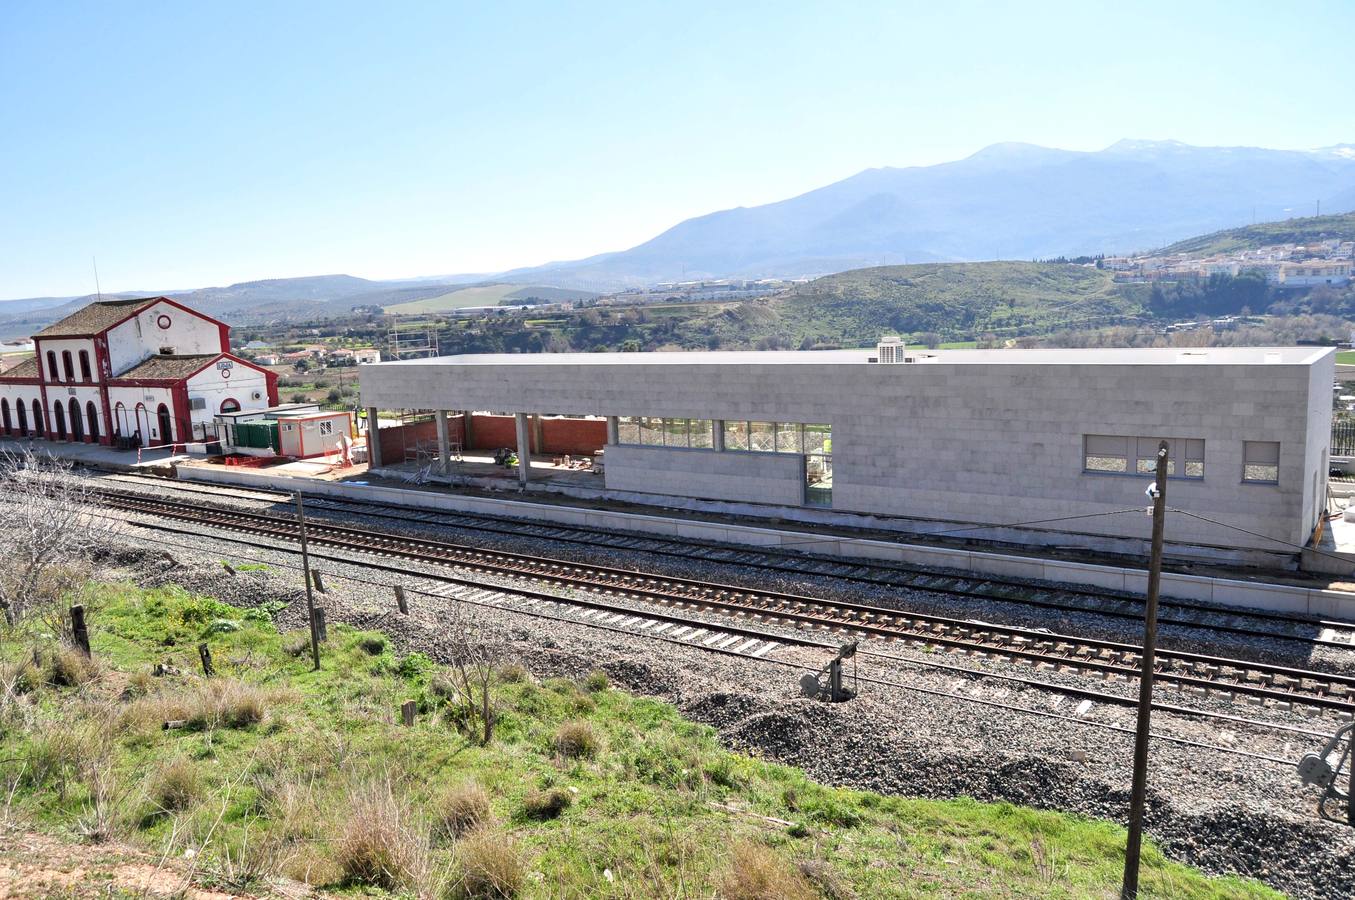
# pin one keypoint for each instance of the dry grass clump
(175, 786)
(757, 873)
(20, 676)
(378, 845)
(576, 739)
(461, 809)
(139, 684)
(546, 804)
(443, 687)
(513, 673)
(68, 667)
(489, 866)
(233, 704)
(372, 644)
(596, 682)
(57, 749)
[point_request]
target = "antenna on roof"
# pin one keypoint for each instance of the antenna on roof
(98, 290)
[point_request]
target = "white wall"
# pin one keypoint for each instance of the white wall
(241, 386)
(151, 398)
(74, 345)
(141, 336)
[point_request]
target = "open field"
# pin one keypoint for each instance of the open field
(584, 791)
(482, 295)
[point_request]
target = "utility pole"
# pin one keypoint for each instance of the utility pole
(306, 575)
(1129, 889)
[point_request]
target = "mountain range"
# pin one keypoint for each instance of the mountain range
(1008, 201)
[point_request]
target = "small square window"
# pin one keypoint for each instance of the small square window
(1261, 461)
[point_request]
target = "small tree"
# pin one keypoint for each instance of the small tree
(474, 658)
(50, 530)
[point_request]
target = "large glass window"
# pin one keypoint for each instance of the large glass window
(762, 437)
(736, 435)
(788, 437)
(628, 430)
(1123, 455)
(702, 433)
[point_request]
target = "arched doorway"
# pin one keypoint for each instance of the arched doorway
(77, 425)
(230, 405)
(166, 426)
(22, 410)
(143, 425)
(4, 413)
(92, 417)
(37, 418)
(59, 420)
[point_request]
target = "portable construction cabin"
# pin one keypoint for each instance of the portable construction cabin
(261, 432)
(302, 435)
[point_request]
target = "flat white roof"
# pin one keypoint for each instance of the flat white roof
(1155, 356)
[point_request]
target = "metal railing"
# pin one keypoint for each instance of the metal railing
(1343, 437)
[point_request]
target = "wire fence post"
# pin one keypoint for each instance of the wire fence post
(1129, 889)
(306, 576)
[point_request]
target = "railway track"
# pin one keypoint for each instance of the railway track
(1177, 613)
(589, 584)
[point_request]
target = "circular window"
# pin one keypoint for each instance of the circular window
(162, 320)
(225, 373)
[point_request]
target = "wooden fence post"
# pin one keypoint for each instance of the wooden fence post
(400, 600)
(79, 630)
(206, 656)
(407, 712)
(319, 583)
(321, 632)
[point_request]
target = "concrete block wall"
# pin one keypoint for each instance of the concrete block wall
(993, 442)
(755, 477)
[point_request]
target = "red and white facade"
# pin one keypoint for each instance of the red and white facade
(148, 372)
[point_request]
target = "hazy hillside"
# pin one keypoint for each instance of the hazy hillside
(969, 298)
(1008, 201)
(1288, 231)
(486, 295)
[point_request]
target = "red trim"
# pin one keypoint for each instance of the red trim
(272, 388)
(103, 367)
(138, 310)
(184, 422)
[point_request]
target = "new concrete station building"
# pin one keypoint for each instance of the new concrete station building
(935, 442)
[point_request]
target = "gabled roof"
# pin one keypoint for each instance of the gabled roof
(26, 369)
(96, 317)
(165, 366)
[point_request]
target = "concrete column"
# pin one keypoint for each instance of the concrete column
(373, 439)
(718, 439)
(524, 448)
(613, 430)
(444, 451)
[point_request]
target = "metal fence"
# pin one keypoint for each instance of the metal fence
(1343, 437)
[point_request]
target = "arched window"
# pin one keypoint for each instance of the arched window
(92, 417)
(230, 405)
(37, 418)
(77, 423)
(85, 373)
(119, 425)
(4, 413)
(23, 417)
(52, 373)
(68, 365)
(166, 424)
(59, 420)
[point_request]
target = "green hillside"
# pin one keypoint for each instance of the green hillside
(956, 298)
(1289, 231)
(485, 295)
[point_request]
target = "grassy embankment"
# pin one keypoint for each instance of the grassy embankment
(584, 791)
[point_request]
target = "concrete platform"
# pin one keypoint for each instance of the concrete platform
(97, 455)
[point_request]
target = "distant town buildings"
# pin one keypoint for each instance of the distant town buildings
(1329, 262)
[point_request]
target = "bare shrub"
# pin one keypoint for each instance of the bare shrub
(489, 866)
(546, 804)
(461, 809)
(378, 845)
(50, 528)
(175, 786)
(756, 872)
(821, 875)
(576, 739)
(513, 673)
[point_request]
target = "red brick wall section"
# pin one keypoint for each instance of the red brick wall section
(582, 436)
(394, 441)
(493, 432)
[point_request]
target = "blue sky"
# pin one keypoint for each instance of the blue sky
(193, 144)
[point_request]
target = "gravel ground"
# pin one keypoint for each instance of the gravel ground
(1221, 812)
